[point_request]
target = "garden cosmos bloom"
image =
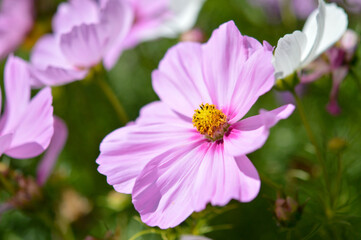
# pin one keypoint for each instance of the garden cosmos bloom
(85, 32)
(189, 148)
(322, 29)
(16, 20)
(26, 125)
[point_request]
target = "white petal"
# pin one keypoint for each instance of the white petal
(185, 15)
(186, 12)
(324, 27)
(287, 57)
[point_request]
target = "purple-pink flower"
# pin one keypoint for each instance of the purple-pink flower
(353, 6)
(274, 8)
(85, 33)
(189, 148)
(26, 125)
(16, 20)
(335, 61)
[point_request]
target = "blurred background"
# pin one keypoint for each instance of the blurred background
(77, 202)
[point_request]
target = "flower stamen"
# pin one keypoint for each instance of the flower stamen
(210, 121)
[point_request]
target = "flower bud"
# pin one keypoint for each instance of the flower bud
(3, 168)
(349, 42)
(27, 194)
(193, 35)
(118, 201)
(287, 211)
(288, 83)
(337, 145)
(73, 205)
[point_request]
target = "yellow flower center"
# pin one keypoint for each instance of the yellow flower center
(210, 121)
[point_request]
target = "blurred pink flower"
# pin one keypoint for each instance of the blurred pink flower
(353, 6)
(56, 145)
(84, 34)
(300, 8)
(182, 154)
(16, 20)
(26, 125)
(336, 61)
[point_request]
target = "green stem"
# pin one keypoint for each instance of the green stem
(112, 98)
(53, 225)
(210, 229)
(269, 182)
(144, 232)
(356, 78)
(311, 137)
(339, 175)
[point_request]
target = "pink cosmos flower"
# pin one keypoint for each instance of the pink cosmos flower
(84, 34)
(16, 19)
(26, 125)
(189, 148)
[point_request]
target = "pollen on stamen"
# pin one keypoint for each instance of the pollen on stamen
(210, 121)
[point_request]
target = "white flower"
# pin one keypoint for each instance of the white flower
(185, 13)
(324, 27)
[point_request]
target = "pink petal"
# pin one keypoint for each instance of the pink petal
(17, 89)
(186, 178)
(251, 133)
(16, 20)
(338, 75)
(126, 151)
(75, 13)
(47, 52)
(224, 57)
(83, 46)
(55, 76)
(48, 65)
(33, 134)
(163, 193)
(221, 177)
(250, 180)
(116, 19)
(159, 113)
(230, 71)
(255, 79)
(179, 81)
(56, 145)
(315, 70)
(5, 142)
